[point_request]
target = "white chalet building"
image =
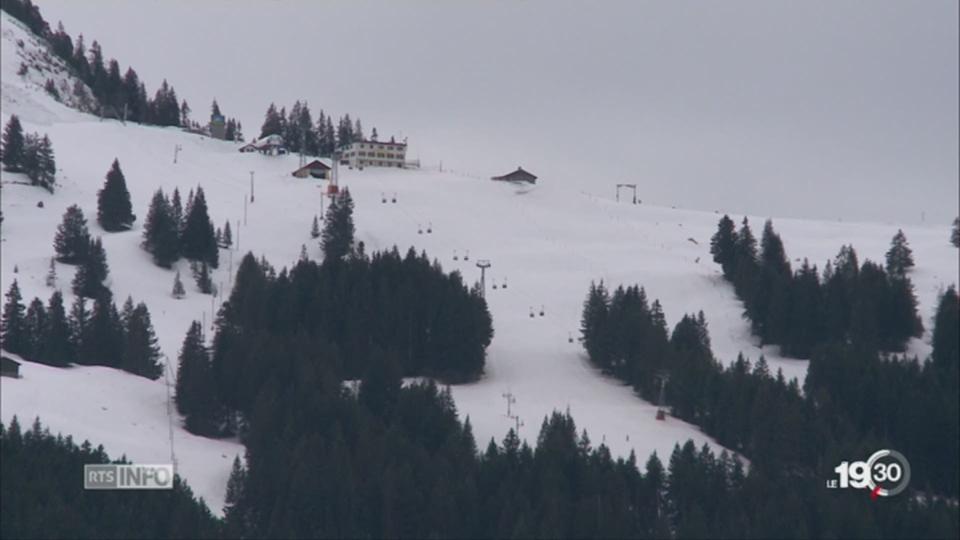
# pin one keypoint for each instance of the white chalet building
(374, 154)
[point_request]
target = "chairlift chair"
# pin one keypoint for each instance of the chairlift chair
(504, 285)
(430, 228)
(541, 311)
(455, 255)
(531, 312)
(467, 256)
(494, 284)
(394, 199)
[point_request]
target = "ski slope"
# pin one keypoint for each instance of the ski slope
(547, 241)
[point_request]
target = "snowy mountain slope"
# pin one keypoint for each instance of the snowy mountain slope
(548, 242)
(21, 46)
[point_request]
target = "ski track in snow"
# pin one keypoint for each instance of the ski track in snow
(548, 241)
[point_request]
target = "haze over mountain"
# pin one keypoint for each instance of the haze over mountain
(820, 109)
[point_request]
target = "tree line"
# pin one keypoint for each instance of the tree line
(28, 153)
(870, 305)
(99, 335)
(41, 495)
(853, 397)
(299, 131)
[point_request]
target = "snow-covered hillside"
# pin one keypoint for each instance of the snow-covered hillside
(546, 242)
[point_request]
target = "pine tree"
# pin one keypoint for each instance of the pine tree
(271, 122)
(315, 228)
(79, 322)
(195, 387)
(338, 231)
(13, 336)
(955, 234)
(201, 274)
(88, 281)
(51, 280)
(233, 504)
(723, 244)
(227, 235)
(160, 232)
(103, 340)
(56, 348)
(184, 113)
(176, 210)
(36, 327)
(48, 164)
(946, 332)
(141, 354)
(197, 242)
(178, 291)
(13, 145)
(114, 211)
(899, 256)
(30, 164)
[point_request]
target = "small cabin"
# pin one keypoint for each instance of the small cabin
(316, 169)
(518, 175)
(9, 367)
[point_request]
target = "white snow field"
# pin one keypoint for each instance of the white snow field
(546, 241)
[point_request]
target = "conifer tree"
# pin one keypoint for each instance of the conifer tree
(141, 354)
(315, 228)
(56, 348)
(946, 332)
(114, 211)
(338, 231)
(195, 397)
(79, 321)
(36, 326)
(160, 232)
(271, 122)
(51, 280)
(201, 274)
(13, 145)
(103, 340)
(227, 235)
(955, 234)
(88, 281)
(13, 336)
(176, 210)
(233, 510)
(198, 242)
(723, 244)
(178, 291)
(38, 162)
(899, 256)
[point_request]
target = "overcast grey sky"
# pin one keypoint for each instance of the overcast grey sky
(818, 108)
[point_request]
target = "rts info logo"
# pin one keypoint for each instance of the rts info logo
(885, 473)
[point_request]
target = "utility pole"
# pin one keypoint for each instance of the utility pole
(251, 187)
(238, 235)
(483, 264)
(511, 399)
(244, 212)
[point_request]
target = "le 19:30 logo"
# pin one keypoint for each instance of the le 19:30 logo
(885, 473)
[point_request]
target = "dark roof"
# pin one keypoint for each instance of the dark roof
(518, 175)
(388, 143)
(313, 166)
(7, 361)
